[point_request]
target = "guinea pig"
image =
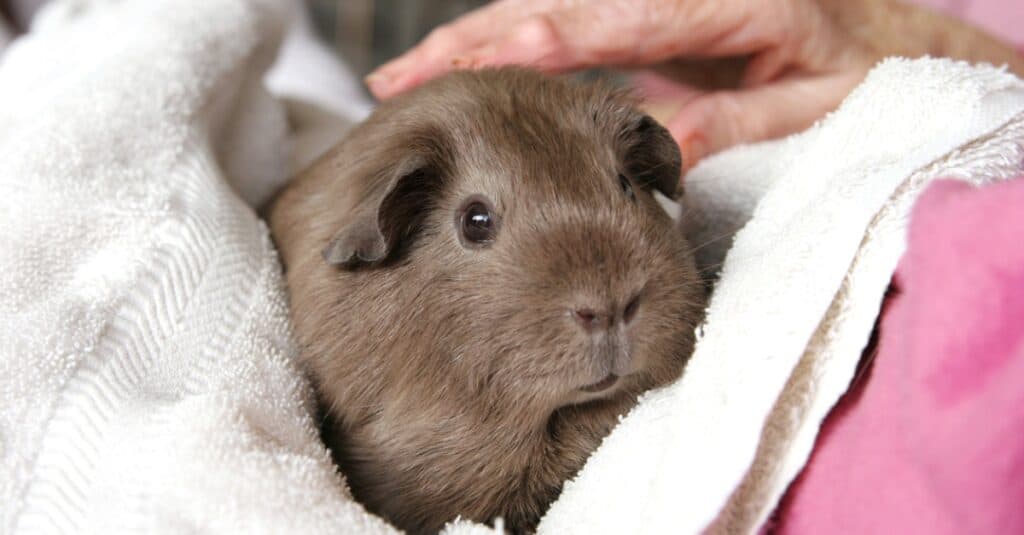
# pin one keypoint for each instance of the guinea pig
(481, 282)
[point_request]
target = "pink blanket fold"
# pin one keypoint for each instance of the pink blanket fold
(930, 438)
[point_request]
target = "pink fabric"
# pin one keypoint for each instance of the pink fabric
(930, 439)
(1003, 18)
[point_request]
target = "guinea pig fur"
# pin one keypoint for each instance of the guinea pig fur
(481, 282)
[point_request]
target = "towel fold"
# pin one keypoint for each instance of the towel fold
(819, 221)
(928, 439)
(147, 379)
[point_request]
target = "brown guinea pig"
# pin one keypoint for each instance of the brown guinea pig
(481, 282)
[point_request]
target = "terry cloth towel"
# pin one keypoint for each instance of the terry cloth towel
(147, 380)
(928, 438)
(823, 222)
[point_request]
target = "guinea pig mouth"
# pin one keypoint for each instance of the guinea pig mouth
(602, 385)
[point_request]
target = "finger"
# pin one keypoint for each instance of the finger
(661, 97)
(765, 66)
(432, 56)
(618, 32)
(723, 119)
(652, 85)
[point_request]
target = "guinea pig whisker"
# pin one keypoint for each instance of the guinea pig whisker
(713, 240)
(716, 265)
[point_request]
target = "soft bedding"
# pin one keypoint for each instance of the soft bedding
(928, 440)
(147, 379)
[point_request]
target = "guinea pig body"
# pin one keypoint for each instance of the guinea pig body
(481, 282)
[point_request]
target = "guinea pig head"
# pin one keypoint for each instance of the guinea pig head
(500, 238)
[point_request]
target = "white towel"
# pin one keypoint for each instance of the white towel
(146, 376)
(147, 381)
(823, 218)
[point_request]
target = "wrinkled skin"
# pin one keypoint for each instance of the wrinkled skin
(728, 71)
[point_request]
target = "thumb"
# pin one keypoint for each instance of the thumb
(722, 119)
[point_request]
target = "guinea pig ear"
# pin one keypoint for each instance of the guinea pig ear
(653, 159)
(389, 212)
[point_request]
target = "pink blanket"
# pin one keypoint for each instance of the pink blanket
(930, 438)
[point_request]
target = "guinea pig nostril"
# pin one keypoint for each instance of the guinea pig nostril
(588, 319)
(631, 309)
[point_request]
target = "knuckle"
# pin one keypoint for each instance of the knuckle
(538, 31)
(442, 38)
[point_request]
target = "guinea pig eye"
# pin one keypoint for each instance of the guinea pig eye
(627, 187)
(477, 223)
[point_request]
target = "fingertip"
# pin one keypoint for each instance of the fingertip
(678, 129)
(385, 85)
(397, 75)
(378, 84)
(694, 149)
(382, 81)
(693, 143)
(392, 67)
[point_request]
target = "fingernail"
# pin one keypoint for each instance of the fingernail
(377, 82)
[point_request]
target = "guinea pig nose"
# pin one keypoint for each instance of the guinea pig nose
(597, 320)
(591, 320)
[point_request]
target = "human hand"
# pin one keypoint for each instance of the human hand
(797, 59)
(801, 63)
